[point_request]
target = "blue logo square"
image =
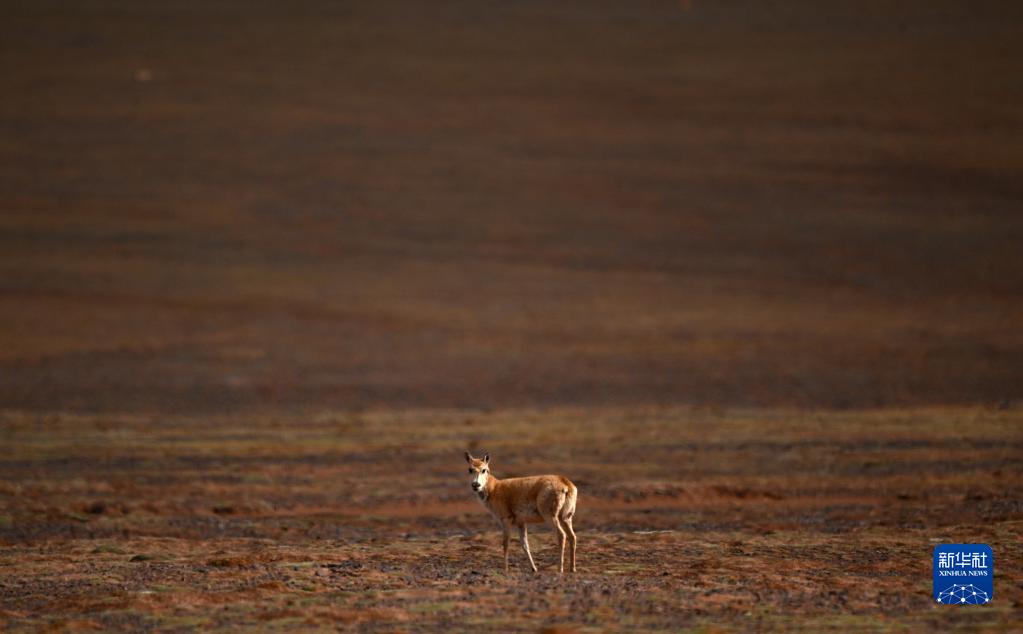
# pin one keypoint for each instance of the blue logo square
(964, 574)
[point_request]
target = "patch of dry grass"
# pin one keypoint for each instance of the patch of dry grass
(687, 518)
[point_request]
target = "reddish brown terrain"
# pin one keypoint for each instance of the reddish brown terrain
(688, 518)
(749, 273)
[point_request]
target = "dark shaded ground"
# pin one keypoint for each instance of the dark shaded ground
(686, 519)
(207, 207)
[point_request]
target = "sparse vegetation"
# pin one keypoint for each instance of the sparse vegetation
(331, 539)
(749, 273)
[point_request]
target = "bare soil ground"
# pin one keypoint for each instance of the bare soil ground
(687, 518)
(216, 207)
(748, 272)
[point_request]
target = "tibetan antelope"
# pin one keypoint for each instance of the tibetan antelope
(529, 500)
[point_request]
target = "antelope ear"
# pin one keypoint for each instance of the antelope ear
(468, 457)
(486, 458)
